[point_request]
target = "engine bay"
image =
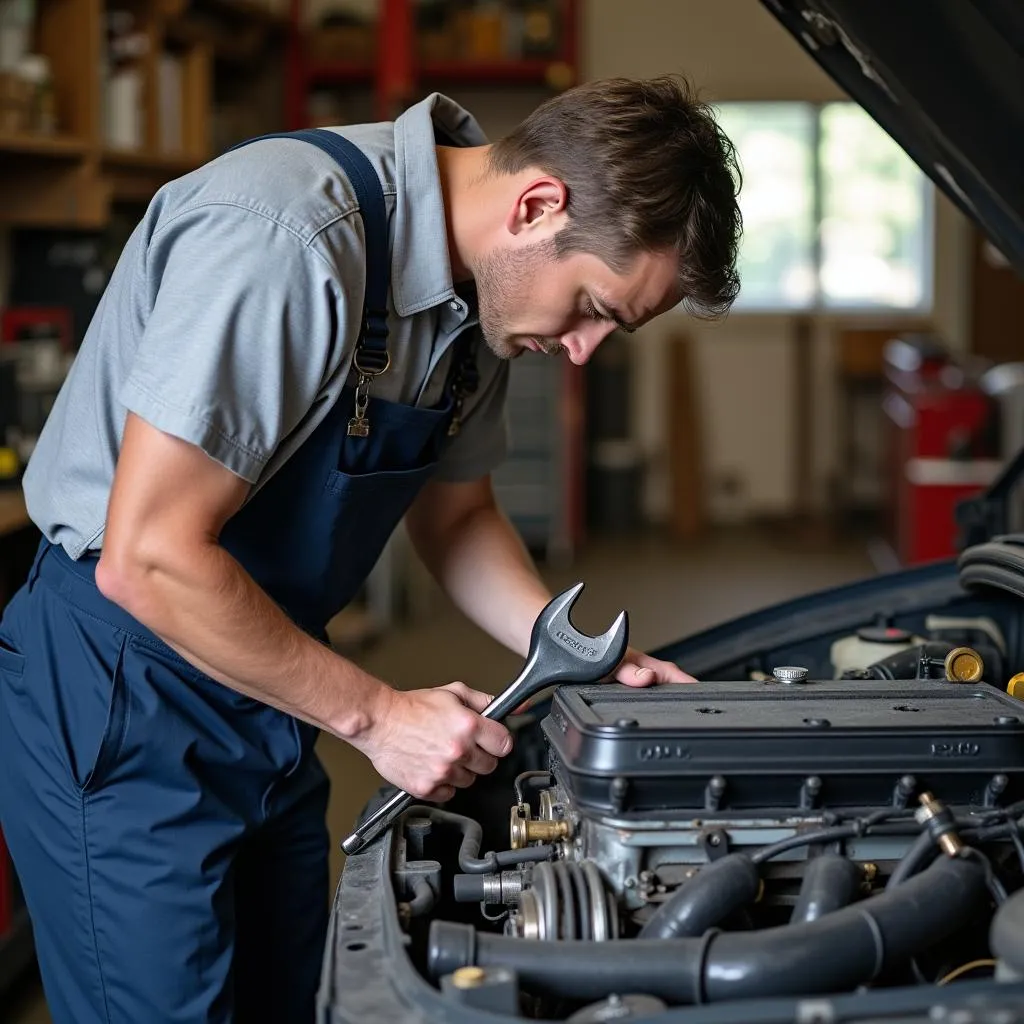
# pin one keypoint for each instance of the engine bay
(841, 812)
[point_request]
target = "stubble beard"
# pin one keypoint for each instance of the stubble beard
(502, 279)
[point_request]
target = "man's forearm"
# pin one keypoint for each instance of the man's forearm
(204, 605)
(482, 564)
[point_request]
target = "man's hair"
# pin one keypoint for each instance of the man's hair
(647, 168)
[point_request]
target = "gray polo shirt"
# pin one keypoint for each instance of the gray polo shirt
(231, 318)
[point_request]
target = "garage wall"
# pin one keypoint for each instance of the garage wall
(734, 50)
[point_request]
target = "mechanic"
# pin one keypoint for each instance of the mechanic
(284, 363)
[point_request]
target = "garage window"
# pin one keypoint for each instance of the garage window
(836, 215)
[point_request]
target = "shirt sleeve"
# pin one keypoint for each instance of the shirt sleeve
(482, 443)
(246, 324)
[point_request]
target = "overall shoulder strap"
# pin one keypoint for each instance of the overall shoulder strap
(373, 339)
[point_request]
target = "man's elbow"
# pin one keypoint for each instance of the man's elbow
(127, 576)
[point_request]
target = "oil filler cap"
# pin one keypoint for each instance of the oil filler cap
(1015, 687)
(964, 665)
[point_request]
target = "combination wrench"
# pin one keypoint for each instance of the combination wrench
(559, 653)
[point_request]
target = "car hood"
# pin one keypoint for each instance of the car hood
(945, 78)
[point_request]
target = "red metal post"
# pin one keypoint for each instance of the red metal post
(395, 81)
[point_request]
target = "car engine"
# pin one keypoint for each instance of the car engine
(779, 835)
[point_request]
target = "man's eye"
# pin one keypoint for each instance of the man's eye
(591, 312)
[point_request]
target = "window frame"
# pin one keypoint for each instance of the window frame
(817, 305)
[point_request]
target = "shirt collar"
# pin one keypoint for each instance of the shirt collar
(421, 274)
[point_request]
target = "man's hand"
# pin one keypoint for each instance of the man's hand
(639, 669)
(430, 742)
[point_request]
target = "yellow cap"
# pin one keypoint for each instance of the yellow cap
(8, 462)
(1015, 687)
(964, 665)
(469, 977)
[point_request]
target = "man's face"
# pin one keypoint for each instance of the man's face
(531, 301)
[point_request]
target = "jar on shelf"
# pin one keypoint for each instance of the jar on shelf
(15, 103)
(34, 69)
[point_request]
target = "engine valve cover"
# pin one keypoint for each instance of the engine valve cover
(741, 746)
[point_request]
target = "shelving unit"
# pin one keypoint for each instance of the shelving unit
(26, 144)
(397, 76)
(70, 178)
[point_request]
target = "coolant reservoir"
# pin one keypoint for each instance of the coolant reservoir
(868, 645)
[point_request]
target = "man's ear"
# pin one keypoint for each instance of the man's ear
(540, 206)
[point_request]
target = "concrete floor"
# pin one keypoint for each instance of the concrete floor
(670, 590)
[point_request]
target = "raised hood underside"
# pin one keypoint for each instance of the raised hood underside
(945, 78)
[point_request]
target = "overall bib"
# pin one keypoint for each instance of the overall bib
(169, 832)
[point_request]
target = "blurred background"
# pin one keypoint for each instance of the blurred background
(867, 380)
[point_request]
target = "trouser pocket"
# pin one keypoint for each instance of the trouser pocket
(12, 662)
(66, 688)
(102, 762)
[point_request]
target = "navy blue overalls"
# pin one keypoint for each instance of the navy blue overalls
(169, 832)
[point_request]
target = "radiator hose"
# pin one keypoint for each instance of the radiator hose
(830, 883)
(719, 889)
(835, 953)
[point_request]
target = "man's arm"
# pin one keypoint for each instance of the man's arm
(475, 554)
(161, 561)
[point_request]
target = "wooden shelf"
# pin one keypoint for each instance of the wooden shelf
(62, 147)
(144, 160)
(69, 179)
(397, 74)
(134, 175)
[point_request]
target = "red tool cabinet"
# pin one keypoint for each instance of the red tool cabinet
(942, 446)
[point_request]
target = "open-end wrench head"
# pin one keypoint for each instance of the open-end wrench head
(579, 656)
(555, 614)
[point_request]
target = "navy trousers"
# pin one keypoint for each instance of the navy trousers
(169, 833)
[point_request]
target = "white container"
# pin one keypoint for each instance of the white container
(16, 20)
(124, 126)
(853, 652)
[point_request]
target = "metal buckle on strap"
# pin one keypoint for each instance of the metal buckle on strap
(368, 365)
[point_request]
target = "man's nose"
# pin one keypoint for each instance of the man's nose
(582, 343)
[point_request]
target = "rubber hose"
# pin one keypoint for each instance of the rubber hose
(508, 858)
(719, 889)
(903, 664)
(836, 953)
(472, 836)
(423, 898)
(1007, 935)
(831, 882)
(921, 850)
